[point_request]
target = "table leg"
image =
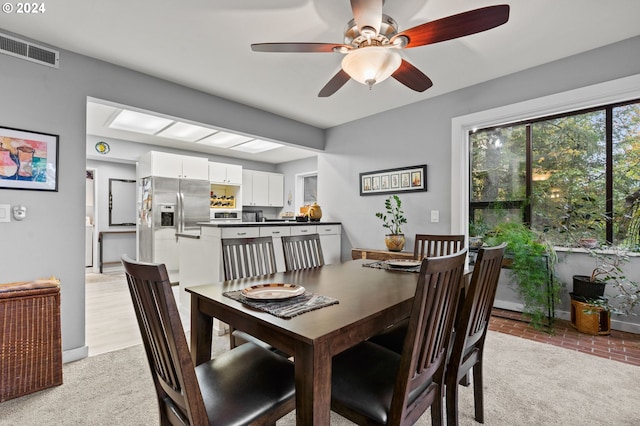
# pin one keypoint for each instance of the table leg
(313, 384)
(201, 333)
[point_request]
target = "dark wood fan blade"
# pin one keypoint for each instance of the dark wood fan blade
(367, 13)
(334, 84)
(412, 77)
(454, 26)
(297, 47)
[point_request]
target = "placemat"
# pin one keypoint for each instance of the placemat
(382, 264)
(287, 308)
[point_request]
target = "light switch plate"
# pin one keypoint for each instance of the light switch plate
(5, 213)
(435, 216)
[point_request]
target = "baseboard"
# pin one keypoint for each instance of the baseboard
(75, 354)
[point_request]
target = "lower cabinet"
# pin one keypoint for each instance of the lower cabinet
(330, 239)
(277, 232)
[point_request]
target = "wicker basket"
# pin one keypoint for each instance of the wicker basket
(30, 337)
(590, 319)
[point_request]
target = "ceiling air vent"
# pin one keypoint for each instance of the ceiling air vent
(29, 51)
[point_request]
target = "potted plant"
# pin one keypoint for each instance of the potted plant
(393, 220)
(531, 261)
(581, 221)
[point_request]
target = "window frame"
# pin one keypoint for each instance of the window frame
(610, 92)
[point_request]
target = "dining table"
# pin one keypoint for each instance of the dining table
(369, 299)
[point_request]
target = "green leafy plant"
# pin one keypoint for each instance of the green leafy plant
(394, 217)
(610, 260)
(533, 263)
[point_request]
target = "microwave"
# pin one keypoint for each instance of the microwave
(225, 217)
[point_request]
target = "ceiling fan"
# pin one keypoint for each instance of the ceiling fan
(372, 42)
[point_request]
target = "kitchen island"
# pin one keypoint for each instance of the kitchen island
(201, 256)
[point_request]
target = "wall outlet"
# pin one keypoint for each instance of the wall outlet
(435, 216)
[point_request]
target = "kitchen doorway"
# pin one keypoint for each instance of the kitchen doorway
(90, 217)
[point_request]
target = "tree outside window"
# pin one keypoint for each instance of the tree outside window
(578, 172)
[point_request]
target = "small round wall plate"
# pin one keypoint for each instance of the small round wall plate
(102, 147)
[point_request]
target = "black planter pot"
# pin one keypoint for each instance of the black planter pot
(584, 289)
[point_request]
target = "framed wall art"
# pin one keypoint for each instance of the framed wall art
(403, 179)
(28, 160)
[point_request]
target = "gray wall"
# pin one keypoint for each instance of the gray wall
(50, 241)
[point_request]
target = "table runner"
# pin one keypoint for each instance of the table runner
(287, 308)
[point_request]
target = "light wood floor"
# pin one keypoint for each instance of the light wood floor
(110, 319)
(111, 322)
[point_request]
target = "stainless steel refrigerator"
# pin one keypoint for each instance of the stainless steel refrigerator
(169, 207)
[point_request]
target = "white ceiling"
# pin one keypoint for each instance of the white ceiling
(205, 45)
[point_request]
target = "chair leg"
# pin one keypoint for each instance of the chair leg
(232, 338)
(452, 401)
(437, 413)
(478, 394)
(465, 380)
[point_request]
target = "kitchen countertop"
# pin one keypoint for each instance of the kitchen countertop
(274, 223)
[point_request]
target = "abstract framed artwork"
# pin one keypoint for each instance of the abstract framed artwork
(28, 160)
(402, 179)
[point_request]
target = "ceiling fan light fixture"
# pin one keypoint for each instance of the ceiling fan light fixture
(371, 65)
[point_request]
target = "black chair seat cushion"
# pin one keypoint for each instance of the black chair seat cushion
(363, 379)
(243, 383)
(393, 337)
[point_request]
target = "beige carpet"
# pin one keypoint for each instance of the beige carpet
(526, 383)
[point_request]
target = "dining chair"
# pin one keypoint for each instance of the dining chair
(373, 385)
(426, 245)
(471, 330)
(246, 385)
(430, 245)
(244, 258)
(248, 257)
(302, 252)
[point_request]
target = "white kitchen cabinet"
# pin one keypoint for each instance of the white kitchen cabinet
(262, 189)
(276, 190)
(226, 174)
(163, 164)
(245, 232)
(276, 232)
(330, 240)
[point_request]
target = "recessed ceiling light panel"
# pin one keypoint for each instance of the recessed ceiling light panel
(255, 146)
(139, 122)
(185, 132)
(224, 140)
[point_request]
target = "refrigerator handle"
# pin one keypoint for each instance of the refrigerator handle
(179, 214)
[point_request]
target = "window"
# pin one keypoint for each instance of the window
(306, 189)
(571, 176)
(310, 189)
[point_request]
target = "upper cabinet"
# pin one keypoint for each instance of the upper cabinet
(163, 164)
(225, 174)
(262, 189)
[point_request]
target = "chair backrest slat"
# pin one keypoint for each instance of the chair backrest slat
(302, 252)
(247, 257)
(429, 245)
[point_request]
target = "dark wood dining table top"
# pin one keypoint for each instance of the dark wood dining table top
(369, 300)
